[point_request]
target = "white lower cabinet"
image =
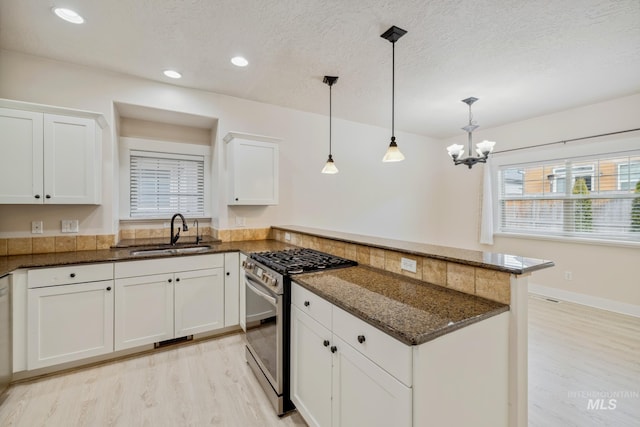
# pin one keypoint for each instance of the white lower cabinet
(186, 299)
(364, 394)
(143, 310)
(333, 383)
(69, 322)
(311, 364)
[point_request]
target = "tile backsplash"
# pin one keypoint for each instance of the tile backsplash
(490, 284)
(50, 244)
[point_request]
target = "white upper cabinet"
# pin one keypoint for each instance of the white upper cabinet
(49, 158)
(252, 169)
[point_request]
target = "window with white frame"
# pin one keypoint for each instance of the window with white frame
(535, 198)
(162, 184)
(159, 179)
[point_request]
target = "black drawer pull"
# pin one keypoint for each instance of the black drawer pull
(37, 196)
(47, 196)
(169, 280)
(108, 288)
(177, 279)
(307, 303)
(228, 273)
(325, 343)
(72, 275)
(334, 349)
(361, 339)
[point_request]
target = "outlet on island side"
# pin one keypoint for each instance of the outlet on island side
(408, 264)
(287, 237)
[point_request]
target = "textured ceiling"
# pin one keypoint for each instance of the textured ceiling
(521, 58)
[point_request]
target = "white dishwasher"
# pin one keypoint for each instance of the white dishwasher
(5, 333)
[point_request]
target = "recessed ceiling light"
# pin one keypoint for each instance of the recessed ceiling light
(173, 74)
(239, 61)
(68, 15)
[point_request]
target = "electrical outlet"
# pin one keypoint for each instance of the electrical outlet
(568, 275)
(287, 237)
(70, 226)
(408, 264)
(36, 227)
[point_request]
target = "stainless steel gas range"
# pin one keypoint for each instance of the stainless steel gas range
(267, 282)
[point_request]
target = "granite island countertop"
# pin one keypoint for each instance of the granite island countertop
(409, 310)
(507, 263)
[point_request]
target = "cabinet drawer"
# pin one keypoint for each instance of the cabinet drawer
(38, 278)
(387, 352)
(311, 304)
(168, 265)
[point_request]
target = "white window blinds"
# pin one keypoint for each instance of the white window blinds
(162, 184)
(588, 197)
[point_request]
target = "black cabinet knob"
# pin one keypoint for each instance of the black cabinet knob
(47, 196)
(72, 275)
(108, 288)
(361, 339)
(334, 349)
(177, 279)
(37, 196)
(236, 199)
(307, 303)
(228, 274)
(325, 343)
(169, 280)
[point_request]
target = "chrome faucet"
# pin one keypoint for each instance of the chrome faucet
(175, 237)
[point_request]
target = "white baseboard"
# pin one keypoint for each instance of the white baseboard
(591, 301)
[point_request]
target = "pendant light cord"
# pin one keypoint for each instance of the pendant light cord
(393, 89)
(330, 87)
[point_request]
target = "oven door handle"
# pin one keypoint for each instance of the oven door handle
(260, 292)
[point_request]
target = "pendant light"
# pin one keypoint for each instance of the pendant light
(393, 153)
(330, 167)
(484, 148)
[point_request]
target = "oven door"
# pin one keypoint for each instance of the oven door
(265, 330)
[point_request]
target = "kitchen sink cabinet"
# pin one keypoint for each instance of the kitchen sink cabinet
(332, 382)
(187, 298)
(252, 163)
(69, 321)
(50, 158)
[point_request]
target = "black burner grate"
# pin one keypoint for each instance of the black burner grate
(295, 261)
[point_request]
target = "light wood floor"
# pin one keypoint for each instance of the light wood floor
(577, 353)
(202, 384)
(572, 350)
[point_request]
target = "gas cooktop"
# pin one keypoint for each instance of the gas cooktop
(296, 261)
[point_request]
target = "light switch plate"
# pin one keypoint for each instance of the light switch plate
(408, 264)
(70, 226)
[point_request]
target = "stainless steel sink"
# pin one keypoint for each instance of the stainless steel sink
(170, 251)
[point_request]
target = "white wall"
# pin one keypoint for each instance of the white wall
(367, 196)
(607, 275)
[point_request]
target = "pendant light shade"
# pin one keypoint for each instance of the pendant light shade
(393, 153)
(330, 166)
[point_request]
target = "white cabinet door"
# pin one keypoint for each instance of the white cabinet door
(243, 295)
(70, 322)
(364, 394)
(231, 289)
(21, 161)
(70, 167)
(143, 310)
(199, 301)
(253, 169)
(310, 368)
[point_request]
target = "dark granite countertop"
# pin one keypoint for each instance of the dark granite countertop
(122, 252)
(513, 264)
(411, 311)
